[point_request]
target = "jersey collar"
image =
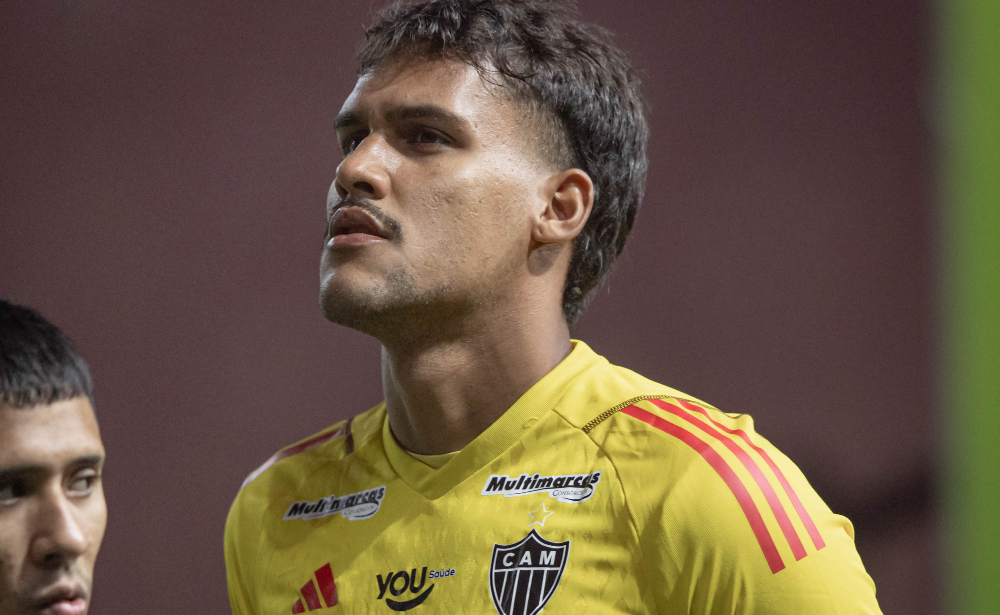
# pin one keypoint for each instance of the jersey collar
(498, 437)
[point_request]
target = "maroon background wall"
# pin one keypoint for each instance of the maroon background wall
(164, 168)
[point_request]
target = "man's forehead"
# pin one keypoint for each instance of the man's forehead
(51, 434)
(449, 84)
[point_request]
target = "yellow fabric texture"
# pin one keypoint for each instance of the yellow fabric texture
(434, 461)
(599, 491)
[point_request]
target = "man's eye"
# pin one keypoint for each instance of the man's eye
(352, 142)
(426, 135)
(10, 492)
(83, 483)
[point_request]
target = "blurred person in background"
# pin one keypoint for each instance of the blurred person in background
(494, 160)
(52, 509)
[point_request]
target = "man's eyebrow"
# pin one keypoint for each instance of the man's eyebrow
(425, 112)
(30, 468)
(14, 471)
(405, 112)
(87, 460)
(347, 118)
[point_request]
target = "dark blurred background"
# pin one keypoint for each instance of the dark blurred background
(164, 170)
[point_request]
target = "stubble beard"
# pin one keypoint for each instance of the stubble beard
(394, 312)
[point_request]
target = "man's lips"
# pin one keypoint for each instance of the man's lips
(63, 600)
(352, 226)
(76, 606)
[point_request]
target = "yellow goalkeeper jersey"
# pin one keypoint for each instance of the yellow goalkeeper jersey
(599, 491)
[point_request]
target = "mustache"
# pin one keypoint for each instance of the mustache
(384, 219)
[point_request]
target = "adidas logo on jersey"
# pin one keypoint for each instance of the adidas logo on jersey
(568, 488)
(360, 505)
(397, 583)
(310, 597)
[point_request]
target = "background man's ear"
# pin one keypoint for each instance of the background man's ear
(570, 199)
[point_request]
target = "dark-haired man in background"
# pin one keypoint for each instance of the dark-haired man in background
(494, 157)
(52, 509)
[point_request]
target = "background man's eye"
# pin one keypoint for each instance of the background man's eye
(10, 492)
(82, 484)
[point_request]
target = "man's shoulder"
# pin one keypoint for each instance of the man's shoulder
(712, 478)
(674, 448)
(328, 445)
(665, 439)
(605, 389)
(676, 439)
(703, 486)
(645, 427)
(294, 473)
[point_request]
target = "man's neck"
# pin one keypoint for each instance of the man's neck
(440, 395)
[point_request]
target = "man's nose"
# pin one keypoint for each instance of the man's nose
(58, 536)
(364, 172)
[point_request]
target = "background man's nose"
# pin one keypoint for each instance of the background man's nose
(58, 535)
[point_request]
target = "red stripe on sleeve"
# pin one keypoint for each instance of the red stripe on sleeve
(324, 576)
(799, 508)
(297, 607)
(726, 473)
(312, 598)
(288, 452)
(772, 498)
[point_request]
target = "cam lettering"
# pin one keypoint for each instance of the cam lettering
(545, 558)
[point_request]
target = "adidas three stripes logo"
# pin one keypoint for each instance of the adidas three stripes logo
(310, 595)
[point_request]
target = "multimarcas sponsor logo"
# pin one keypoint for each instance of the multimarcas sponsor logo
(568, 488)
(354, 506)
(405, 582)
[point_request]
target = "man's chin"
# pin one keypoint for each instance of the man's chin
(353, 310)
(361, 305)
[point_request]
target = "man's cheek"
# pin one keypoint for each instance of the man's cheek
(97, 516)
(8, 574)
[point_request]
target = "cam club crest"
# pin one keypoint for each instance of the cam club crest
(524, 575)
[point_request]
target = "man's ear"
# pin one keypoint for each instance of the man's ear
(570, 197)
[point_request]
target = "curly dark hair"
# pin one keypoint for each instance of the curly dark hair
(38, 365)
(578, 88)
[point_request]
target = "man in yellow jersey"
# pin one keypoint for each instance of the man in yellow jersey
(494, 156)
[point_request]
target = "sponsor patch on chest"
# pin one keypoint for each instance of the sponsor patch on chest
(353, 506)
(568, 488)
(399, 582)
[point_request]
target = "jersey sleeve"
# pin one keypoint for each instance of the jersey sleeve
(236, 548)
(727, 524)
(244, 525)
